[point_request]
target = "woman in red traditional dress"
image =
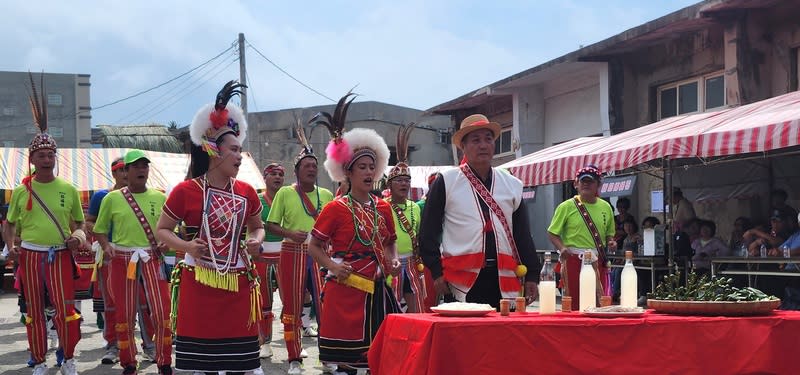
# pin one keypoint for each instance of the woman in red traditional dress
(359, 229)
(218, 303)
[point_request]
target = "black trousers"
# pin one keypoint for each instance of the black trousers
(486, 288)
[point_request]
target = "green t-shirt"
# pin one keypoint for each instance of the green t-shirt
(568, 224)
(35, 225)
(117, 213)
(289, 212)
(264, 215)
(412, 212)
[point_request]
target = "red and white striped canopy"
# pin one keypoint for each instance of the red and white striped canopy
(763, 126)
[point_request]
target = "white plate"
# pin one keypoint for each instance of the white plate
(448, 312)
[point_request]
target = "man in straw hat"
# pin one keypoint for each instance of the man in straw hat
(409, 284)
(48, 211)
(136, 261)
(294, 211)
(216, 297)
(475, 236)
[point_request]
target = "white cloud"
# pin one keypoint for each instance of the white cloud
(411, 53)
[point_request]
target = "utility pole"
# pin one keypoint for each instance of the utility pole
(243, 80)
(242, 73)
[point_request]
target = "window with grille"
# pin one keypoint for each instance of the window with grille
(503, 144)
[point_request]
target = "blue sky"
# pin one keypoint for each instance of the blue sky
(413, 53)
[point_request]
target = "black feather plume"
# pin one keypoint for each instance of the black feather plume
(228, 91)
(335, 124)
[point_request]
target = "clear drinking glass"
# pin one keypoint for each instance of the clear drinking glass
(786, 251)
(763, 251)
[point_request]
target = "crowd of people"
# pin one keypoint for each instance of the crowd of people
(349, 259)
(696, 239)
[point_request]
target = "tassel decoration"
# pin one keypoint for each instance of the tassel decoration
(175, 284)
(131, 271)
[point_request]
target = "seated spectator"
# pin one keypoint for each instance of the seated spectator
(631, 243)
(781, 227)
(693, 229)
(778, 199)
(740, 225)
(707, 246)
(650, 222)
(793, 242)
(632, 237)
(623, 207)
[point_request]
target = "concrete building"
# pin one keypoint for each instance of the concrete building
(708, 56)
(68, 107)
(271, 135)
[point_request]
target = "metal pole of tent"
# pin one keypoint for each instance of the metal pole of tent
(670, 215)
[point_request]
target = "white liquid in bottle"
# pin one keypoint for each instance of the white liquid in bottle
(628, 285)
(547, 297)
(588, 284)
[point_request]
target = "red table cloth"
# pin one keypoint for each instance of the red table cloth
(569, 343)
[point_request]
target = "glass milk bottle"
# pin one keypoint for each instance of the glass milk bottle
(588, 284)
(628, 285)
(547, 287)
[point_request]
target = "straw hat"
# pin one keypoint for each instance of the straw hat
(473, 123)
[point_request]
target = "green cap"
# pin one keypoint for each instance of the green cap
(133, 155)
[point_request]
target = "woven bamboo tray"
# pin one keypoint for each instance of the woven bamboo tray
(724, 308)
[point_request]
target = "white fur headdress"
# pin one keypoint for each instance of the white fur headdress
(213, 121)
(361, 142)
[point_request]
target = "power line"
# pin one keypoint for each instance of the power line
(150, 105)
(164, 83)
(250, 92)
(152, 111)
(73, 114)
(287, 73)
(197, 86)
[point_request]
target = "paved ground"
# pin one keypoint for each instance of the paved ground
(14, 346)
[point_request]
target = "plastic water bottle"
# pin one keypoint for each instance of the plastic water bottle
(629, 285)
(763, 250)
(787, 252)
(588, 284)
(547, 287)
(743, 251)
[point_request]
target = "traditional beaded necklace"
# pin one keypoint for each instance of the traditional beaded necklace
(357, 222)
(411, 215)
(222, 269)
